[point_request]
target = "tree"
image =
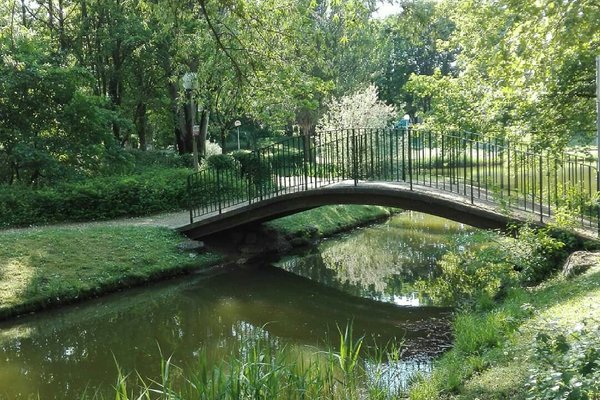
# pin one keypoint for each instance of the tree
(526, 67)
(362, 109)
(51, 126)
(413, 42)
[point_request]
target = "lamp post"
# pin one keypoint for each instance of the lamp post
(237, 124)
(189, 84)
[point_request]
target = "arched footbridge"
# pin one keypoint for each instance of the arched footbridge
(465, 177)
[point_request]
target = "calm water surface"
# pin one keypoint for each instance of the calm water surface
(365, 276)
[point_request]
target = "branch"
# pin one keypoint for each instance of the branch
(220, 44)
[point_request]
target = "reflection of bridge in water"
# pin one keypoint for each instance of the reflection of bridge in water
(484, 182)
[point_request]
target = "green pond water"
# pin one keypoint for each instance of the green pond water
(365, 276)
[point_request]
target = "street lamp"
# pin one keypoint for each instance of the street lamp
(237, 124)
(405, 121)
(189, 84)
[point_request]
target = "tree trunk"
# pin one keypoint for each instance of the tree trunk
(141, 123)
(223, 131)
(182, 139)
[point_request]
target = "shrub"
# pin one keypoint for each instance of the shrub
(567, 364)
(153, 191)
(159, 158)
(286, 157)
(470, 278)
(535, 254)
(222, 162)
(256, 168)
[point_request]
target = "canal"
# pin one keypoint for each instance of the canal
(365, 278)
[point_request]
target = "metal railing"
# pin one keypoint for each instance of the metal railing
(513, 176)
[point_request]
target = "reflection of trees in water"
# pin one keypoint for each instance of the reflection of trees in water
(378, 261)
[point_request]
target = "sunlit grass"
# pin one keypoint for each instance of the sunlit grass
(327, 220)
(494, 351)
(49, 265)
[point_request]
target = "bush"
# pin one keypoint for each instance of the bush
(154, 191)
(160, 158)
(286, 157)
(222, 162)
(567, 364)
(477, 272)
(535, 254)
(473, 278)
(256, 168)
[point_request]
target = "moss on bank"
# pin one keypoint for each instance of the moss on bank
(47, 266)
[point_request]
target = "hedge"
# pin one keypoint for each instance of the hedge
(99, 198)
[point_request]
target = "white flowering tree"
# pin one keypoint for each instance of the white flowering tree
(346, 116)
(361, 109)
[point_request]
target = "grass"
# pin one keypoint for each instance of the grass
(260, 367)
(328, 220)
(494, 351)
(48, 266)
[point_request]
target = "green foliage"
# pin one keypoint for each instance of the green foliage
(223, 162)
(413, 42)
(327, 220)
(287, 159)
(567, 363)
(261, 367)
(149, 159)
(153, 191)
(478, 272)
(256, 167)
(51, 127)
(535, 254)
(520, 71)
(476, 276)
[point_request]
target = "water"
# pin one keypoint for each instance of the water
(58, 354)
(383, 261)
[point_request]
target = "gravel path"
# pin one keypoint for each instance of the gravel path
(170, 220)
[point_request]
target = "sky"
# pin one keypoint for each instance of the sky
(386, 9)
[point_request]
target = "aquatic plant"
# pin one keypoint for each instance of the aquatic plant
(260, 367)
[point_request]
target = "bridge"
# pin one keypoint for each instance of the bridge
(482, 181)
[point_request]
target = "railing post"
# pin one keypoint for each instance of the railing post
(391, 156)
(408, 131)
(403, 155)
(259, 182)
(305, 161)
(508, 169)
(471, 165)
(218, 191)
(464, 149)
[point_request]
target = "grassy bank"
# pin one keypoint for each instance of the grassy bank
(328, 220)
(48, 266)
(540, 342)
